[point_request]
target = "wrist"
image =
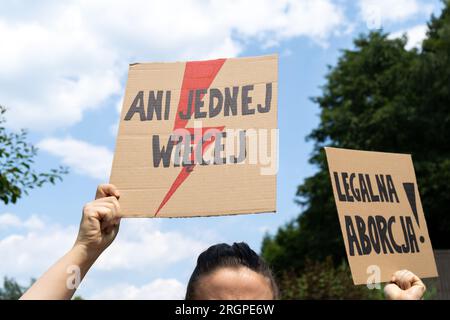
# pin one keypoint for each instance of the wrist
(85, 253)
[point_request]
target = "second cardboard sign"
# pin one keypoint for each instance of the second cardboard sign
(380, 214)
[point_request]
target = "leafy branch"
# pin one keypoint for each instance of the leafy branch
(17, 157)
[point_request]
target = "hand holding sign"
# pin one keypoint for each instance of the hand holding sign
(100, 221)
(404, 285)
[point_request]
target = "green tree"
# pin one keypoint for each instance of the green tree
(378, 97)
(16, 160)
(432, 161)
(322, 280)
(11, 289)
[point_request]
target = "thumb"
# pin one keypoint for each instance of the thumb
(415, 292)
(392, 291)
(107, 190)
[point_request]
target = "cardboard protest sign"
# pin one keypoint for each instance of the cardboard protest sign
(198, 138)
(380, 214)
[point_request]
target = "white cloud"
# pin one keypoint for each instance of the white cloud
(60, 59)
(9, 220)
(264, 229)
(34, 223)
(27, 253)
(84, 158)
(141, 245)
(378, 12)
(159, 289)
(114, 128)
(51, 74)
(415, 36)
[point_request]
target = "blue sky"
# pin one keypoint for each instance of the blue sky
(63, 69)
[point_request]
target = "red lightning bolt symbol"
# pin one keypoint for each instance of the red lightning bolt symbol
(197, 75)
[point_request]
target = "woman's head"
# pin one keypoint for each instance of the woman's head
(231, 272)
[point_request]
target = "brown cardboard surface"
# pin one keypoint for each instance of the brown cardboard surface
(405, 222)
(150, 189)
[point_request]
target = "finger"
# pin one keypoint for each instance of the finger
(416, 284)
(114, 227)
(110, 202)
(112, 220)
(103, 212)
(397, 276)
(106, 190)
(416, 281)
(392, 291)
(416, 292)
(110, 206)
(406, 279)
(105, 217)
(116, 205)
(112, 230)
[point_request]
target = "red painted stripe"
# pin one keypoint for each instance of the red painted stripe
(197, 75)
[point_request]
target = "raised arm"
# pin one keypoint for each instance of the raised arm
(98, 228)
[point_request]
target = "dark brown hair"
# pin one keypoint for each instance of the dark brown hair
(223, 255)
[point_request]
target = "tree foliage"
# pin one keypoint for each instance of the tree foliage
(11, 289)
(379, 97)
(322, 280)
(16, 159)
